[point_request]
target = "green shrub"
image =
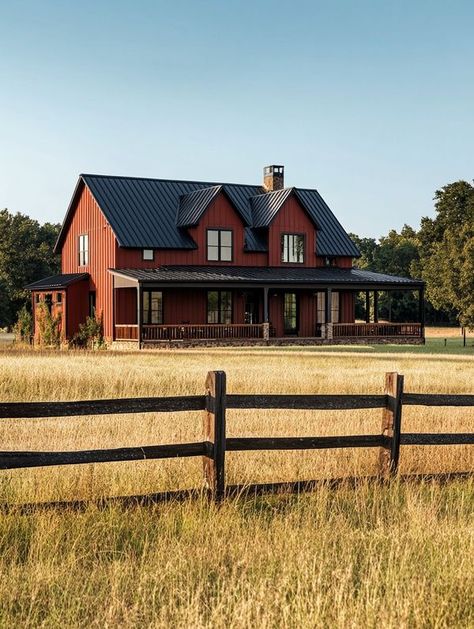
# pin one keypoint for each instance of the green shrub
(23, 327)
(90, 335)
(49, 326)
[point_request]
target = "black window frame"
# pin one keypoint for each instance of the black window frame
(283, 248)
(219, 245)
(146, 313)
(293, 330)
(220, 310)
(59, 298)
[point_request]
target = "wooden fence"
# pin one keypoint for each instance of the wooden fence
(215, 443)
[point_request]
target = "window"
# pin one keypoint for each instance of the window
(37, 298)
(321, 307)
(152, 307)
(219, 306)
(59, 298)
(148, 254)
(92, 304)
(48, 300)
(292, 248)
(219, 245)
(290, 313)
(83, 249)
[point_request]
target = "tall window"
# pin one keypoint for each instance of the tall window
(152, 307)
(83, 249)
(292, 248)
(219, 306)
(321, 307)
(219, 245)
(290, 313)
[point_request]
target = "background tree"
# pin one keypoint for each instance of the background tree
(26, 255)
(446, 246)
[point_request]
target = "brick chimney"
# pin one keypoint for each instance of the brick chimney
(273, 178)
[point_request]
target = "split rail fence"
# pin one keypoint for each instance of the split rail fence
(215, 443)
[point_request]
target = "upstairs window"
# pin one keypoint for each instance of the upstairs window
(219, 245)
(83, 249)
(292, 248)
(148, 254)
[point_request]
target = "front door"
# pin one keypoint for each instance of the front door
(251, 308)
(290, 313)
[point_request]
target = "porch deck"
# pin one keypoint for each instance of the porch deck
(337, 332)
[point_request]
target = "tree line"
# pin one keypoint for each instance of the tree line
(441, 252)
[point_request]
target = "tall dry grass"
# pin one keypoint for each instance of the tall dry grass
(396, 556)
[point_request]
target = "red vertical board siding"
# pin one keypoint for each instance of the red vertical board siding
(77, 306)
(291, 219)
(219, 214)
(57, 310)
(346, 307)
(126, 305)
(88, 219)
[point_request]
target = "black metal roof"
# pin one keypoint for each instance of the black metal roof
(57, 281)
(152, 213)
(193, 205)
(266, 206)
(335, 276)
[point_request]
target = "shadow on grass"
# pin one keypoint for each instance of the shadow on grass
(233, 491)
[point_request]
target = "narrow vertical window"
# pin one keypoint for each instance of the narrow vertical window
(321, 307)
(292, 248)
(290, 313)
(219, 245)
(83, 249)
(335, 308)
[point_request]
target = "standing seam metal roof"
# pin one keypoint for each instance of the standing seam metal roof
(152, 213)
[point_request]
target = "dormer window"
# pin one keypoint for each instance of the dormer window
(83, 249)
(148, 254)
(292, 248)
(219, 245)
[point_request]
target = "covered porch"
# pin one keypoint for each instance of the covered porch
(237, 305)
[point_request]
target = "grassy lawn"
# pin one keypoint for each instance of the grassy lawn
(395, 555)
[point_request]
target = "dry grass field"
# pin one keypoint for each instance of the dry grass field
(398, 555)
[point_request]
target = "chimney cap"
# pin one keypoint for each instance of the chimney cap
(276, 169)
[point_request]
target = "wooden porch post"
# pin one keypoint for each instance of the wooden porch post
(376, 306)
(367, 306)
(421, 309)
(139, 314)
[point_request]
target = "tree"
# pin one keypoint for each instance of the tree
(447, 251)
(26, 255)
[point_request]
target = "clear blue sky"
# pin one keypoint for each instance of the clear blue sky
(370, 102)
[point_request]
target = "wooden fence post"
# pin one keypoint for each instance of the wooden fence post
(391, 424)
(214, 433)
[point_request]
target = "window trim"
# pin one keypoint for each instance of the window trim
(152, 259)
(219, 308)
(219, 245)
(282, 249)
(83, 254)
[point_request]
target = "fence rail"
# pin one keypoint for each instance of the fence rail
(215, 444)
(367, 330)
(202, 332)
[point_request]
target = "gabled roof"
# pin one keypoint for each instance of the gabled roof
(255, 240)
(266, 206)
(267, 275)
(193, 205)
(57, 281)
(152, 213)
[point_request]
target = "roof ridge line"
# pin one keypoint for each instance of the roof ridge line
(208, 183)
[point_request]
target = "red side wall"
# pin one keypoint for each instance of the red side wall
(88, 219)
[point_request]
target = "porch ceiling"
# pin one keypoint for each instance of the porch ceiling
(283, 276)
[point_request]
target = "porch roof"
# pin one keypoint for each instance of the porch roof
(57, 281)
(240, 275)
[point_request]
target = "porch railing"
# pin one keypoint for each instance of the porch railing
(385, 330)
(198, 332)
(126, 332)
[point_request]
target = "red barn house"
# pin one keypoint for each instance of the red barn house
(187, 262)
